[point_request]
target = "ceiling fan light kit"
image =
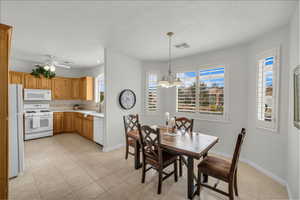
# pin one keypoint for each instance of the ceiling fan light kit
(170, 80)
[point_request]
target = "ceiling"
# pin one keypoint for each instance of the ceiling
(77, 31)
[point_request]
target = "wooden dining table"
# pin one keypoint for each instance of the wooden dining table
(192, 145)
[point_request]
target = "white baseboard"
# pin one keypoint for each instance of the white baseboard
(107, 149)
(259, 168)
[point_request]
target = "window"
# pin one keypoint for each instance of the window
(211, 90)
(202, 91)
(267, 79)
(186, 95)
(151, 103)
(99, 88)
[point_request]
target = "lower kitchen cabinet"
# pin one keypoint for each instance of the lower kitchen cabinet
(58, 122)
(69, 122)
(78, 123)
(88, 127)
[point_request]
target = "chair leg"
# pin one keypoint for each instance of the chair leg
(230, 190)
(180, 166)
(160, 176)
(198, 182)
(127, 150)
(235, 184)
(175, 171)
(144, 173)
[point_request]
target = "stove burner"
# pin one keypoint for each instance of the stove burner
(45, 111)
(30, 112)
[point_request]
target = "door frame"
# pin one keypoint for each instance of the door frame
(5, 45)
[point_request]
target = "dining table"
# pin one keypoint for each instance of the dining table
(193, 145)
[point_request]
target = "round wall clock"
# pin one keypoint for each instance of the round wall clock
(127, 99)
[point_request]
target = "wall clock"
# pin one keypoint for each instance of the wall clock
(127, 99)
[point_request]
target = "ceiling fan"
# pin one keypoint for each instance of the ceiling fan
(51, 63)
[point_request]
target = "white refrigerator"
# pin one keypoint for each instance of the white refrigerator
(16, 133)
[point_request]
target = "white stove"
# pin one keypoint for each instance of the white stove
(38, 121)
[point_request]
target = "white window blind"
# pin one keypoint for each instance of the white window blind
(211, 90)
(267, 97)
(186, 95)
(202, 91)
(99, 88)
(151, 104)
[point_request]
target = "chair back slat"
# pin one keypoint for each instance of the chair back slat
(150, 143)
(185, 124)
(237, 151)
(130, 123)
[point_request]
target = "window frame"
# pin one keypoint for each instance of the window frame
(205, 115)
(271, 126)
(146, 87)
(96, 88)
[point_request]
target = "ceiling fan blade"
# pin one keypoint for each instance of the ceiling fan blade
(62, 65)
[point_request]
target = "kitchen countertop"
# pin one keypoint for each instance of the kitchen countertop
(85, 112)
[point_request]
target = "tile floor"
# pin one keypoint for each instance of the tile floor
(68, 166)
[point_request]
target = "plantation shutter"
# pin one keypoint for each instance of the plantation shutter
(186, 94)
(211, 90)
(151, 104)
(265, 90)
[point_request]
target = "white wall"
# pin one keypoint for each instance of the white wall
(293, 154)
(121, 72)
(266, 150)
(235, 61)
(95, 71)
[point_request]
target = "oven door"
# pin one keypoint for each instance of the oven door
(44, 123)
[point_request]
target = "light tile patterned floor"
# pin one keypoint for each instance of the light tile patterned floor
(68, 166)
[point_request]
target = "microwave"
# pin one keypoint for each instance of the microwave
(37, 95)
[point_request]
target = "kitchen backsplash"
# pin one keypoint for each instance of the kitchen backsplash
(68, 104)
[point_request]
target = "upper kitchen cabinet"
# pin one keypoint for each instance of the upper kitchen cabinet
(16, 77)
(45, 83)
(62, 88)
(32, 82)
(76, 88)
(87, 88)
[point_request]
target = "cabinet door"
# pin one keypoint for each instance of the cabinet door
(61, 88)
(76, 88)
(87, 88)
(78, 123)
(31, 82)
(88, 127)
(45, 83)
(16, 77)
(69, 122)
(58, 119)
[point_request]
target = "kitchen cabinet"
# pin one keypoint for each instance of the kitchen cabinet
(87, 127)
(58, 122)
(45, 83)
(32, 82)
(78, 123)
(68, 122)
(61, 88)
(87, 88)
(16, 77)
(76, 88)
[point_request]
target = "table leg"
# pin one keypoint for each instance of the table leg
(137, 157)
(190, 177)
(205, 176)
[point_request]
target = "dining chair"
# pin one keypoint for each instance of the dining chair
(155, 156)
(131, 124)
(186, 125)
(222, 169)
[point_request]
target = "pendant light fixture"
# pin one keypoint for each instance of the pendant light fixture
(169, 80)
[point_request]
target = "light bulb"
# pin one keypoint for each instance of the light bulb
(52, 68)
(46, 68)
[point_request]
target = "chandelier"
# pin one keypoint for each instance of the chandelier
(169, 80)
